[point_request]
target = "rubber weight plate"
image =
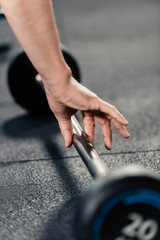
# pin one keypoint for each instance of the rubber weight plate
(122, 207)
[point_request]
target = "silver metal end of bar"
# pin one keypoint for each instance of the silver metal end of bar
(87, 151)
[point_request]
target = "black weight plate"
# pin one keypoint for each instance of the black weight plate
(5, 46)
(72, 63)
(125, 206)
(2, 16)
(28, 92)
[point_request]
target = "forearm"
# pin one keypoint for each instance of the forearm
(34, 25)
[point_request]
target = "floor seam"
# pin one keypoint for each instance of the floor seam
(7, 163)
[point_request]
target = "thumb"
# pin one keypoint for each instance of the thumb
(66, 130)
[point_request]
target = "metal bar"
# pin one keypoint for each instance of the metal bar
(87, 151)
(2, 16)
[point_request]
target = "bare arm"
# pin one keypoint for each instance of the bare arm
(34, 25)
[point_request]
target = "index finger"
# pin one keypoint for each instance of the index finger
(112, 112)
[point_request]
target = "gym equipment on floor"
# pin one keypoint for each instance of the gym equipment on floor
(121, 205)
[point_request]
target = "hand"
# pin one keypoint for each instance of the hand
(76, 97)
(40, 40)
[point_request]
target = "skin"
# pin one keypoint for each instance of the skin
(34, 25)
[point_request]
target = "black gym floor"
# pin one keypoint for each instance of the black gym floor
(117, 44)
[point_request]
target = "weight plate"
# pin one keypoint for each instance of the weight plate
(133, 214)
(123, 207)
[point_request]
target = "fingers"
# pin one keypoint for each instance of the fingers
(106, 131)
(112, 112)
(89, 124)
(120, 128)
(66, 130)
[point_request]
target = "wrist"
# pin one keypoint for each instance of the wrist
(52, 71)
(57, 80)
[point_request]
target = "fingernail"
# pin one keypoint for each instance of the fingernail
(67, 140)
(109, 146)
(68, 145)
(126, 122)
(128, 135)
